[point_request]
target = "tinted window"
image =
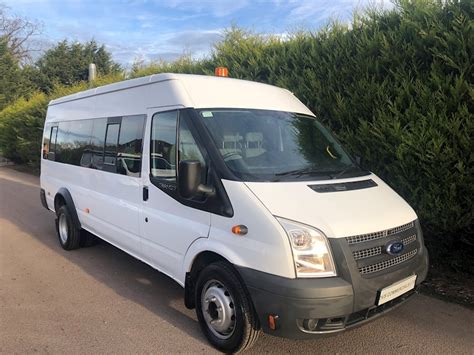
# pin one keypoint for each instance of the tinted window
(95, 152)
(163, 145)
(78, 137)
(62, 145)
(111, 141)
(46, 140)
(52, 143)
(129, 156)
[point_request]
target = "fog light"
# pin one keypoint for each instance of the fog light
(310, 324)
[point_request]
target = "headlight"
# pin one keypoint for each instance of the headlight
(311, 251)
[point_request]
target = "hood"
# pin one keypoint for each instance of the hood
(336, 212)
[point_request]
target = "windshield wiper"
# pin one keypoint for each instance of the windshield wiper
(343, 171)
(305, 171)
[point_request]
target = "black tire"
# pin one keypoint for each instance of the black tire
(245, 328)
(68, 234)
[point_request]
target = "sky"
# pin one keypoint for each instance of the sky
(166, 29)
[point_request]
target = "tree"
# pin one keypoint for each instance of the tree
(18, 33)
(14, 82)
(67, 63)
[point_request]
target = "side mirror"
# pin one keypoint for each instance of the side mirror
(189, 179)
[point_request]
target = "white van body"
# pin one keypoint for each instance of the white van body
(153, 223)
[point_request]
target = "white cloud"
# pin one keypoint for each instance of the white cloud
(219, 8)
(318, 11)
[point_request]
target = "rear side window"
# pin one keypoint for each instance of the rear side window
(111, 142)
(62, 144)
(78, 137)
(49, 141)
(129, 152)
(94, 154)
(52, 143)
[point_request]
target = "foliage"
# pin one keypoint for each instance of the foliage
(185, 64)
(68, 63)
(13, 83)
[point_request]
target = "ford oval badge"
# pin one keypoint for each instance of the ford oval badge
(394, 248)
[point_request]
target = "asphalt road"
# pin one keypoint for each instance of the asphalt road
(100, 300)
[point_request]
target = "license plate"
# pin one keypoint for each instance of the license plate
(397, 289)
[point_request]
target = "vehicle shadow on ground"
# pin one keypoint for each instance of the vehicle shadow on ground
(127, 276)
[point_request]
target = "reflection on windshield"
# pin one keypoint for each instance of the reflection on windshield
(262, 145)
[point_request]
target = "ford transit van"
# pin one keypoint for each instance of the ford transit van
(237, 192)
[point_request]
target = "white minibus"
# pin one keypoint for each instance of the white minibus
(234, 190)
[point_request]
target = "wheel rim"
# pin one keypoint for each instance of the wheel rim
(218, 309)
(62, 227)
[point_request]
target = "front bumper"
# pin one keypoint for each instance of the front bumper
(335, 304)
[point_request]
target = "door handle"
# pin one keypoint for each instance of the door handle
(145, 193)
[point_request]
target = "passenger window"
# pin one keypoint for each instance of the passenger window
(79, 137)
(111, 141)
(62, 145)
(129, 156)
(95, 152)
(163, 146)
(52, 143)
(46, 140)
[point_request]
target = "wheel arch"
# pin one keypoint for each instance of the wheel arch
(63, 197)
(199, 255)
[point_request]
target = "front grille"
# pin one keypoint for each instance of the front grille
(388, 263)
(369, 253)
(377, 235)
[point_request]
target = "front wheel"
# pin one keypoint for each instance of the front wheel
(224, 309)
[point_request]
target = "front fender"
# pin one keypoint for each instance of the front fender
(201, 245)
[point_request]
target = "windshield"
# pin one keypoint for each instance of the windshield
(263, 145)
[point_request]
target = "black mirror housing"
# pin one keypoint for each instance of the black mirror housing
(189, 179)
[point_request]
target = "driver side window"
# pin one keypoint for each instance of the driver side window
(166, 148)
(163, 146)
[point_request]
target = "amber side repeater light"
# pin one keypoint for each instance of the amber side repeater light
(240, 229)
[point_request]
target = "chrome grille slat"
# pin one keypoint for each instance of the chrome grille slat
(409, 240)
(388, 263)
(377, 235)
(367, 253)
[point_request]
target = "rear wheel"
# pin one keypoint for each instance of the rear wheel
(69, 236)
(224, 309)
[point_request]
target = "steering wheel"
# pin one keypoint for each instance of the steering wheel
(229, 155)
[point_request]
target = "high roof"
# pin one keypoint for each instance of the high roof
(201, 91)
